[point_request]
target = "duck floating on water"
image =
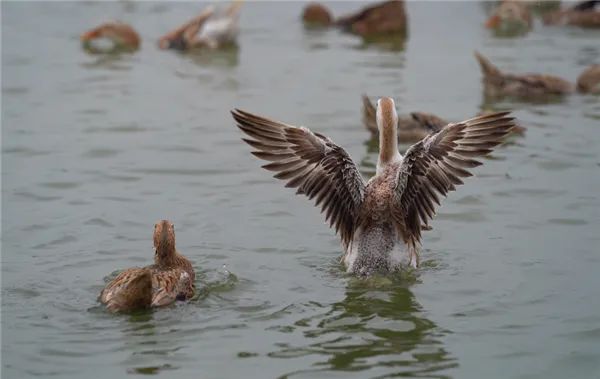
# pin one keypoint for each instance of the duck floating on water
(589, 80)
(210, 29)
(316, 15)
(170, 278)
(499, 84)
(388, 17)
(417, 125)
(585, 14)
(123, 36)
(380, 19)
(511, 17)
(379, 222)
(413, 128)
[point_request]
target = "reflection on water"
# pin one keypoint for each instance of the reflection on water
(103, 46)
(511, 30)
(392, 42)
(116, 60)
(498, 101)
(225, 57)
(140, 336)
(378, 323)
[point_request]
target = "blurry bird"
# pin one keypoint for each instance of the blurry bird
(589, 80)
(122, 35)
(416, 126)
(170, 278)
(413, 128)
(379, 222)
(209, 29)
(510, 17)
(383, 18)
(585, 14)
(316, 15)
(527, 86)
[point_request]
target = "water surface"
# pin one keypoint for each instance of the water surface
(96, 148)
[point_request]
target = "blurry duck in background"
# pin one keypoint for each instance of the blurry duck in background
(379, 222)
(589, 80)
(316, 15)
(510, 18)
(383, 23)
(170, 278)
(416, 126)
(585, 14)
(122, 36)
(180, 38)
(385, 18)
(411, 129)
(210, 29)
(526, 86)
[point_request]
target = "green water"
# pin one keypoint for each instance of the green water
(95, 149)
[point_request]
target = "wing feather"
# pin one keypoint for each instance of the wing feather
(434, 166)
(313, 164)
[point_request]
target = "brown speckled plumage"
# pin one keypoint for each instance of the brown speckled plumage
(391, 210)
(527, 86)
(310, 162)
(435, 165)
(170, 278)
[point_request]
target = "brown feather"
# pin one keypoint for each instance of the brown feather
(171, 277)
(319, 168)
(529, 86)
(437, 163)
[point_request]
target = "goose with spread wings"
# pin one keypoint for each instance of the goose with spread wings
(380, 221)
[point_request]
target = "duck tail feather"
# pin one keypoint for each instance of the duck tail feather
(487, 68)
(134, 295)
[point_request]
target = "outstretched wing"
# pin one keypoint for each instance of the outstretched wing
(313, 164)
(428, 121)
(436, 164)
